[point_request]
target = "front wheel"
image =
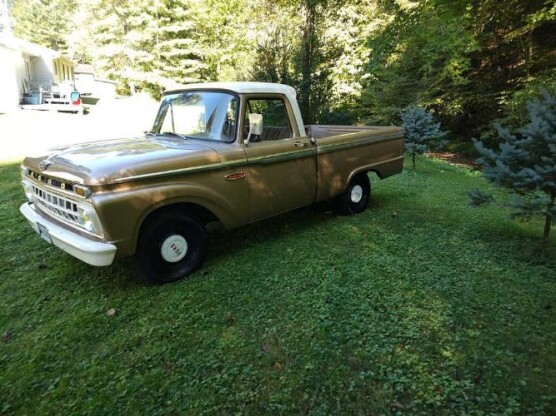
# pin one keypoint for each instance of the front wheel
(356, 197)
(170, 248)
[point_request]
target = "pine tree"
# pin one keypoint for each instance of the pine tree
(122, 33)
(419, 130)
(46, 22)
(526, 162)
(180, 57)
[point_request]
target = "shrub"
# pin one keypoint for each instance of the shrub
(525, 162)
(420, 130)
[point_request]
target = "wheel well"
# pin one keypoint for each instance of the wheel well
(363, 172)
(195, 211)
(376, 172)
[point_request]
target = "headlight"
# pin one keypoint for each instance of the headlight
(28, 188)
(25, 171)
(88, 219)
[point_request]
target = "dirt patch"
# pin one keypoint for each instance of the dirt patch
(455, 159)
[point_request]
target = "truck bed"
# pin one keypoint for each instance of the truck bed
(325, 131)
(345, 150)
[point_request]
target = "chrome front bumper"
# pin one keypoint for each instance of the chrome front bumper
(89, 251)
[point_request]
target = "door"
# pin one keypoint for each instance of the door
(281, 170)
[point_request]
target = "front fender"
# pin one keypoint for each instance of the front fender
(122, 212)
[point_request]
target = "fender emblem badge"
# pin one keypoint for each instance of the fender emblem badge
(235, 176)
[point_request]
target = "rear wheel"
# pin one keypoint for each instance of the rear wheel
(356, 197)
(170, 247)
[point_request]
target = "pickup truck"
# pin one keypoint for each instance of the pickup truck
(229, 152)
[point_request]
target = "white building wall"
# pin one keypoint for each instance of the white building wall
(105, 89)
(9, 91)
(85, 83)
(43, 70)
(20, 75)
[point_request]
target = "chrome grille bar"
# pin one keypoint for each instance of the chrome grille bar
(59, 207)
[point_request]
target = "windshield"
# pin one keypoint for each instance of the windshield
(207, 115)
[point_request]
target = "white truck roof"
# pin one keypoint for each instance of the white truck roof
(240, 87)
(249, 88)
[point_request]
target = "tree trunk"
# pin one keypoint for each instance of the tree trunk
(413, 158)
(548, 219)
(308, 13)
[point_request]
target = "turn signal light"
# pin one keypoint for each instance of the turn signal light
(82, 191)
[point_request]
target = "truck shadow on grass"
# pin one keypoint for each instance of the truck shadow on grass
(224, 245)
(294, 229)
(229, 242)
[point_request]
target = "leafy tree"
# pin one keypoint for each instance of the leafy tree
(293, 51)
(419, 131)
(309, 58)
(224, 31)
(46, 22)
(469, 60)
(343, 29)
(5, 23)
(526, 162)
(275, 50)
(277, 43)
(419, 57)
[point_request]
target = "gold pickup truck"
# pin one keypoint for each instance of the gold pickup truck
(229, 152)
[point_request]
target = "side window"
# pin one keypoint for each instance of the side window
(276, 123)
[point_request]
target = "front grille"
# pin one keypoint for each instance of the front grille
(59, 207)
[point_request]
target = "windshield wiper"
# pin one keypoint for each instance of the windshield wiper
(171, 133)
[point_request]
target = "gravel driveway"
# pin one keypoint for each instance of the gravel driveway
(25, 132)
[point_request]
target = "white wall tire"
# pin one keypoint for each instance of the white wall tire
(356, 197)
(356, 194)
(171, 246)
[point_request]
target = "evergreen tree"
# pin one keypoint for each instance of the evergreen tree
(526, 162)
(419, 131)
(123, 34)
(180, 57)
(46, 22)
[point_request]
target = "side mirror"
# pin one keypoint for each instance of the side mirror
(255, 126)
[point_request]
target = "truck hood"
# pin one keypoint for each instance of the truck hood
(105, 162)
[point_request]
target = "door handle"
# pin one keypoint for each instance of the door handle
(300, 144)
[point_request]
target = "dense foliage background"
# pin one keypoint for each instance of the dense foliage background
(471, 62)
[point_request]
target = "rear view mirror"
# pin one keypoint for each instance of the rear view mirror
(256, 123)
(255, 126)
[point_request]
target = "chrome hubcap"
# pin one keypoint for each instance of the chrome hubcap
(356, 194)
(174, 248)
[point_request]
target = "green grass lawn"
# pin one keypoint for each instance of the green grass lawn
(421, 305)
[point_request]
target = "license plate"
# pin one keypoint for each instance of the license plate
(43, 232)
